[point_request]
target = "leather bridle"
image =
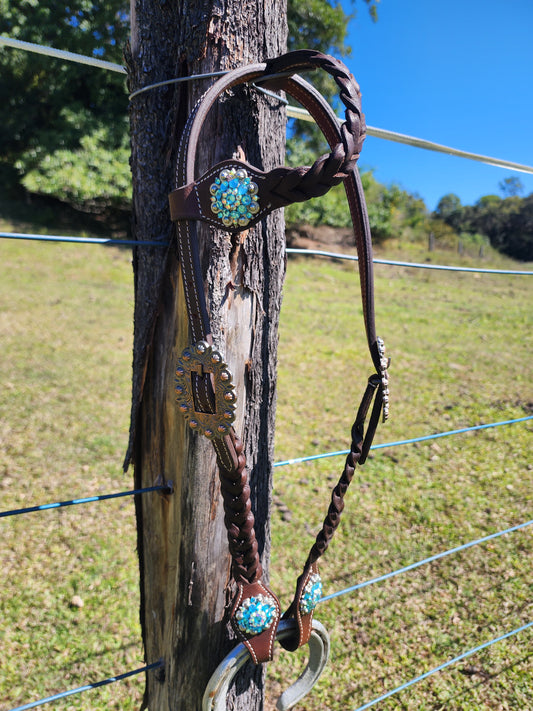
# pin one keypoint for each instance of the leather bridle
(234, 195)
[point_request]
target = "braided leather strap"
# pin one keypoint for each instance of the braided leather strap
(242, 543)
(236, 195)
(353, 130)
(281, 186)
(355, 456)
(239, 519)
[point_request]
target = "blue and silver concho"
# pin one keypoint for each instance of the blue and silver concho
(256, 614)
(234, 197)
(311, 594)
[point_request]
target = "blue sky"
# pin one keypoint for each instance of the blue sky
(459, 73)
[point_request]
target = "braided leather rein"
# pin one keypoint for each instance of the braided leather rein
(234, 195)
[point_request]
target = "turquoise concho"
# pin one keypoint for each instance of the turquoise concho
(202, 359)
(234, 197)
(256, 614)
(312, 593)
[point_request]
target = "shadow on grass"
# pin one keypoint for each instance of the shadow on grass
(29, 212)
(80, 660)
(485, 678)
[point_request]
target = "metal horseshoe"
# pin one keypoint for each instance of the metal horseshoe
(217, 687)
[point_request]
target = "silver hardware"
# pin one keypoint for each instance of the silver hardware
(383, 365)
(217, 687)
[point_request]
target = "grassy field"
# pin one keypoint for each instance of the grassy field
(460, 345)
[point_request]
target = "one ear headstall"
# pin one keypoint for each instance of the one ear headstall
(234, 195)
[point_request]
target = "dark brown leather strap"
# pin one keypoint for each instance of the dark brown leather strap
(236, 195)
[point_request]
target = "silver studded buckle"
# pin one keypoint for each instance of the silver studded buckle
(384, 363)
(203, 359)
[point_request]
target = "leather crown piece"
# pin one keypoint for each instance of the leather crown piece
(234, 195)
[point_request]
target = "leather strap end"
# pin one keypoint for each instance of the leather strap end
(184, 204)
(253, 603)
(308, 590)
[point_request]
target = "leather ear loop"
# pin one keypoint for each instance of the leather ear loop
(351, 134)
(324, 115)
(317, 106)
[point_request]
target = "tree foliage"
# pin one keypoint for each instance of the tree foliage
(48, 105)
(91, 177)
(511, 186)
(507, 222)
(52, 110)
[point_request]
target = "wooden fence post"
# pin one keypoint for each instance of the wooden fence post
(184, 563)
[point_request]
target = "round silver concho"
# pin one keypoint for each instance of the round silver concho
(202, 359)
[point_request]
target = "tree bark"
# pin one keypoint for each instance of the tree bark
(183, 558)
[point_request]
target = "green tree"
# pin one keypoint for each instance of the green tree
(55, 114)
(507, 223)
(518, 241)
(451, 211)
(321, 25)
(512, 186)
(448, 205)
(48, 105)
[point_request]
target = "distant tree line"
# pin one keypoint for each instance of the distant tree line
(64, 128)
(506, 222)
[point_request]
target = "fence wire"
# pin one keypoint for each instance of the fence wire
(60, 54)
(166, 488)
(425, 561)
(412, 265)
(88, 687)
(441, 667)
(413, 440)
(104, 241)
(292, 111)
(302, 114)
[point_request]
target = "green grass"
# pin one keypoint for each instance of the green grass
(65, 324)
(460, 345)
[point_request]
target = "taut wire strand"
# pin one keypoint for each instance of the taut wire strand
(177, 80)
(208, 75)
(60, 54)
(441, 667)
(88, 687)
(167, 488)
(300, 113)
(84, 240)
(413, 265)
(419, 563)
(105, 241)
(413, 440)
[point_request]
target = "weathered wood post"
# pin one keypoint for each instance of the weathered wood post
(184, 563)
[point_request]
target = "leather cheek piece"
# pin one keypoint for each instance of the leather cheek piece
(260, 646)
(194, 201)
(303, 620)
